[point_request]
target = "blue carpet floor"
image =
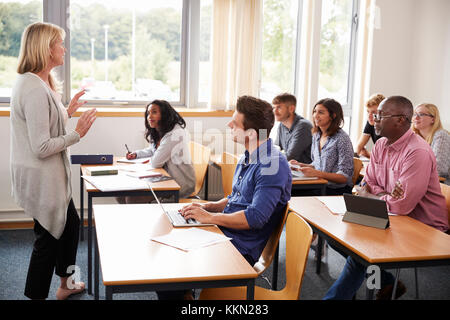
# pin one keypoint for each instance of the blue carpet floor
(16, 247)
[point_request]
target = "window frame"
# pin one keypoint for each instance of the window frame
(58, 12)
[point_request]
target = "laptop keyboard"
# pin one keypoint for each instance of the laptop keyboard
(179, 219)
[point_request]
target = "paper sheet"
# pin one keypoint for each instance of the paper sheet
(139, 160)
(120, 182)
(187, 239)
(335, 204)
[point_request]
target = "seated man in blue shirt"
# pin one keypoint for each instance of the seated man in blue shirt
(261, 183)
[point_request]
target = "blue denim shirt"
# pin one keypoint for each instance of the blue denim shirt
(336, 156)
(262, 188)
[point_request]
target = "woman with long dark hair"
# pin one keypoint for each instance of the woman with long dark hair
(169, 147)
(331, 149)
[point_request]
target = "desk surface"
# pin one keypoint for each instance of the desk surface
(128, 256)
(163, 185)
(308, 182)
(406, 239)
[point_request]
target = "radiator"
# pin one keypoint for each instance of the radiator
(215, 190)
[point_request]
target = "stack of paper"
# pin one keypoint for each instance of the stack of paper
(116, 183)
(140, 160)
(144, 174)
(187, 239)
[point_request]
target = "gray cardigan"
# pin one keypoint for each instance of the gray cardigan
(174, 156)
(39, 163)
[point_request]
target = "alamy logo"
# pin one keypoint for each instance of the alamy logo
(374, 277)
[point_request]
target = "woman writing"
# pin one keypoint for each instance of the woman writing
(40, 168)
(331, 149)
(169, 147)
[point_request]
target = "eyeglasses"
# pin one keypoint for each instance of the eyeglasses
(421, 115)
(378, 117)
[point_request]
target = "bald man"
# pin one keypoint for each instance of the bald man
(402, 171)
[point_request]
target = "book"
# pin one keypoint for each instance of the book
(101, 170)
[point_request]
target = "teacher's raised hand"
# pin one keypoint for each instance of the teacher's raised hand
(75, 103)
(85, 122)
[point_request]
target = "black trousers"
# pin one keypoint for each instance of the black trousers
(316, 192)
(48, 253)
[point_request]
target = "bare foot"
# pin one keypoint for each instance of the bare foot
(64, 293)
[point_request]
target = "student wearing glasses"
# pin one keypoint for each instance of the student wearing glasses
(427, 124)
(331, 149)
(369, 129)
(402, 171)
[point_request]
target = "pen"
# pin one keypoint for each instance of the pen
(127, 148)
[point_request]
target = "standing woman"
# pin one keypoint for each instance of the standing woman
(169, 147)
(40, 167)
(427, 124)
(331, 149)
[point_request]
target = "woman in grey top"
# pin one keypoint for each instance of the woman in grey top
(427, 124)
(40, 168)
(169, 147)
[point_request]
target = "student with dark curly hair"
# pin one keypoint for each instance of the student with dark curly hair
(169, 147)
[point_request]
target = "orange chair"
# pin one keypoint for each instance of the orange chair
(298, 241)
(228, 166)
(200, 160)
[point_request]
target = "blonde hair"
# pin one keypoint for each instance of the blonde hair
(374, 100)
(437, 125)
(35, 49)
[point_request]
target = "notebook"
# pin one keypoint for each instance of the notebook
(176, 218)
(298, 175)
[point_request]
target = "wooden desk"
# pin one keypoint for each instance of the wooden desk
(131, 262)
(162, 189)
(406, 243)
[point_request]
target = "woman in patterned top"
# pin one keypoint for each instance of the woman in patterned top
(427, 124)
(331, 149)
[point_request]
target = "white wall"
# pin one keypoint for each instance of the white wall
(411, 52)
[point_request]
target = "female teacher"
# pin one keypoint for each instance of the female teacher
(40, 167)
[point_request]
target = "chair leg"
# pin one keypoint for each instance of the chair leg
(417, 283)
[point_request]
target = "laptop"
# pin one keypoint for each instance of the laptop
(366, 211)
(175, 217)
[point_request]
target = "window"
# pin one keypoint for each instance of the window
(15, 15)
(280, 18)
(336, 50)
(126, 50)
(204, 87)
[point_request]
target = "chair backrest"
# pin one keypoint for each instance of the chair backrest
(228, 166)
(298, 242)
(357, 166)
(268, 253)
(200, 160)
(445, 189)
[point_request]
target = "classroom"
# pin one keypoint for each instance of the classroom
(206, 63)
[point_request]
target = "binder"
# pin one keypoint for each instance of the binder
(91, 158)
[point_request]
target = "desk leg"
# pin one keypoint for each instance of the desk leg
(275, 268)
(96, 267)
(108, 293)
(81, 206)
(319, 254)
(251, 289)
(397, 274)
(89, 243)
(206, 182)
(323, 190)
